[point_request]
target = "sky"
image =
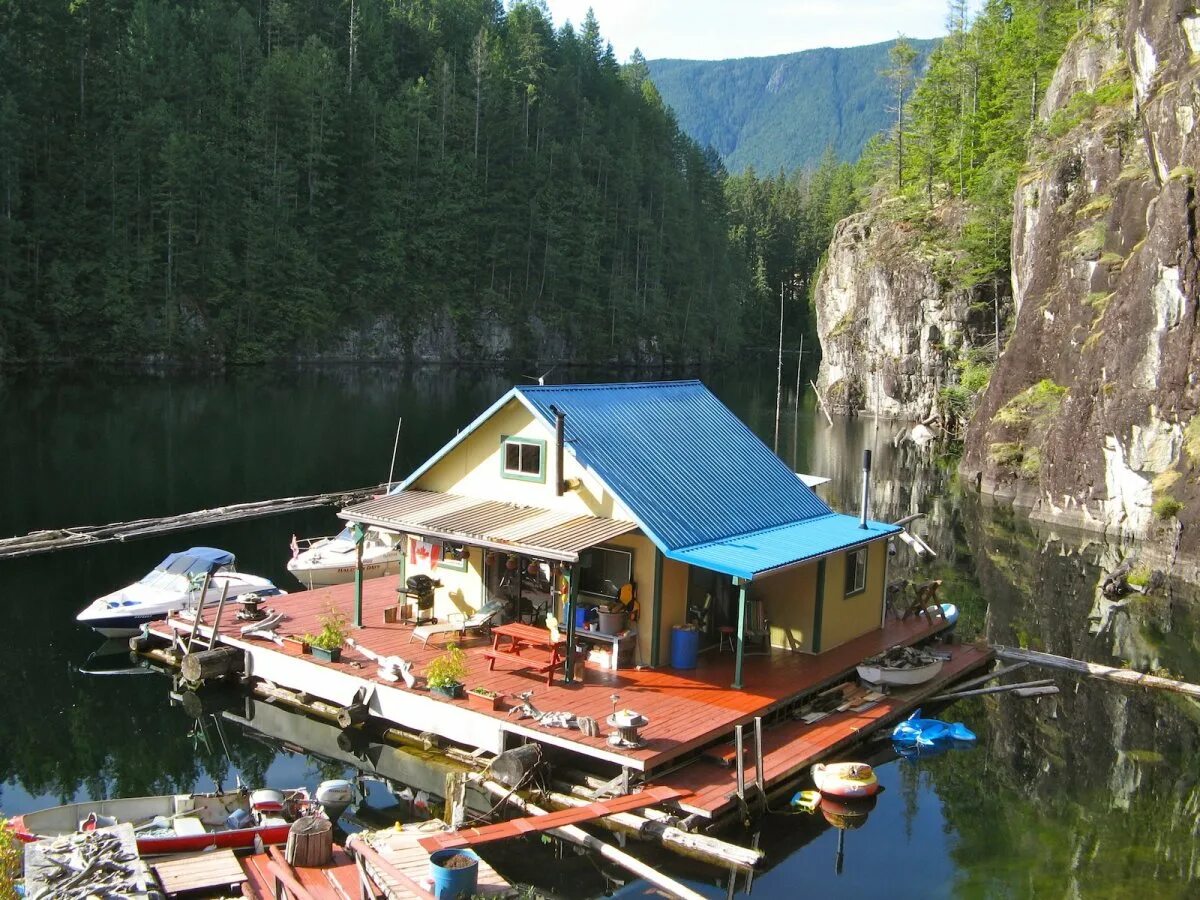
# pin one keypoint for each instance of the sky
(724, 29)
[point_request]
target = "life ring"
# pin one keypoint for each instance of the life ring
(845, 779)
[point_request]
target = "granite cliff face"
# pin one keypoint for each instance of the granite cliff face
(888, 324)
(1090, 417)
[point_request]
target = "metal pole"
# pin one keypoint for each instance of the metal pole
(395, 447)
(760, 777)
(741, 762)
(359, 534)
(779, 372)
(741, 635)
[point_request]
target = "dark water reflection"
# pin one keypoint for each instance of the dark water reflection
(1092, 793)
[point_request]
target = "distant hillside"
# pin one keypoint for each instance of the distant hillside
(778, 112)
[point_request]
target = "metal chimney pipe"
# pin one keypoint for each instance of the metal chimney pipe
(559, 424)
(866, 488)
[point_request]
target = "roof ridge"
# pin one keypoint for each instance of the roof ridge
(607, 385)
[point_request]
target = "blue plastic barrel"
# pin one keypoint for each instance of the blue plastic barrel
(580, 616)
(685, 646)
(453, 883)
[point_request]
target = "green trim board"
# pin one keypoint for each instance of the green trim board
(513, 475)
(656, 608)
(819, 606)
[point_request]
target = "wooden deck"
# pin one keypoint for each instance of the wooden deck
(791, 747)
(687, 710)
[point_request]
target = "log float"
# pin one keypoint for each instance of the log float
(216, 663)
(577, 835)
(1095, 670)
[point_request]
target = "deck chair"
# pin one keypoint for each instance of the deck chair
(480, 620)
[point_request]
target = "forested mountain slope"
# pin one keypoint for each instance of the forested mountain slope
(315, 178)
(781, 112)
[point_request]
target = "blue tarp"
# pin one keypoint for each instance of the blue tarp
(196, 561)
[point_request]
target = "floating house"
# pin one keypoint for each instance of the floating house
(651, 500)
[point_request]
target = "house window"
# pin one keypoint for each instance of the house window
(454, 556)
(856, 571)
(603, 572)
(523, 459)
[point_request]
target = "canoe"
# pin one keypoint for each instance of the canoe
(877, 674)
(178, 823)
(845, 779)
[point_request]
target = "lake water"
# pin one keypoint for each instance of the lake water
(1093, 793)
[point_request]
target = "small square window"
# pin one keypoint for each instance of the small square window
(856, 571)
(523, 459)
(454, 556)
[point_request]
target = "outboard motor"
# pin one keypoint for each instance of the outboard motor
(335, 796)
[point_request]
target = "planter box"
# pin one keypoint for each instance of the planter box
(334, 655)
(451, 692)
(482, 702)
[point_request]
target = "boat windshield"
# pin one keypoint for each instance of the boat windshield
(186, 566)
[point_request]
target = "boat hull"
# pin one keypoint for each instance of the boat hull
(905, 677)
(317, 576)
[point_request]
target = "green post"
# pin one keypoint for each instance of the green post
(741, 635)
(569, 612)
(656, 608)
(359, 534)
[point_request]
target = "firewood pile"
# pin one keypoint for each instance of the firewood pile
(88, 865)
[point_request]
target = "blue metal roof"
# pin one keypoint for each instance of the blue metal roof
(750, 555)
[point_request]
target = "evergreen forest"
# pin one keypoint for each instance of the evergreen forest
(236, 181)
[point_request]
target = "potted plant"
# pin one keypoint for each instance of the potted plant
(446, 673)
(327, 643)
(483, 698)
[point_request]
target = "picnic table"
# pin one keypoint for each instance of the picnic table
(533, 647)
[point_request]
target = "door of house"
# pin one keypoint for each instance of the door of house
(522, 582)
(711, 603)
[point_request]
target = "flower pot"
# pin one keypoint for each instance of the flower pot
(333, 654)
(449, 691)
(455, 873)
(483, 702)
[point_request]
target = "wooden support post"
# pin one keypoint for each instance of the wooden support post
(741, 635)
(456, 801)
(354, 714)
(218, 663)
(577, 835)
(359, 534)
(310, 842)
(1095, 670)
(572, 602)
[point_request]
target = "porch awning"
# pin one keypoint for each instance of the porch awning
(531, 530)
(762, 552)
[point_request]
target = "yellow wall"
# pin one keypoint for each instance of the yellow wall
(845, 618)
(473, 469)
(674, 605)
(790, 599)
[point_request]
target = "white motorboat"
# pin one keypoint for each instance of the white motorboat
(175, 583)
(319, 562)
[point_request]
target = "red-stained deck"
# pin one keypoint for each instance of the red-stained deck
(791, 747)
(687, 709)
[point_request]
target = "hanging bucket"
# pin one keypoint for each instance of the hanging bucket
(455, 873)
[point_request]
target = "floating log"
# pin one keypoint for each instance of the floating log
(216, 663)
(310, 842)
(577, 835)
(694, 846)
(49, 540)
(821, 403)
(991, 676)
(1095, 670)
(1036, 691)
(997, 689)
(512, 767)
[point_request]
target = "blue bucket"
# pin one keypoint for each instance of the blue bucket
(453, 883)
(685, 646)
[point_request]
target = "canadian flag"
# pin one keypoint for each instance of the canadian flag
(295, 547)
(426, 552)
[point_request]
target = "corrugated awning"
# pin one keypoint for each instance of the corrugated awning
(760, 553)
(532, 530)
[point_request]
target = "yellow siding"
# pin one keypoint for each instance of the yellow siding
(643, 576)
(790, 599)
(674, 605)
(845, 618)
(461, 592)
(473, 469)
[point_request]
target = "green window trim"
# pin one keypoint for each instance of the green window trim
(454, 565)
(505, 472)
(854, 571)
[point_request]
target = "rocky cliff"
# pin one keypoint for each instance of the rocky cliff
(889, 325)
(1091, 414)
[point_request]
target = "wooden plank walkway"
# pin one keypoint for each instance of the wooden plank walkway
(202, 872)
(793, 746)
(687, 709)
(403, 850)
(472, 837)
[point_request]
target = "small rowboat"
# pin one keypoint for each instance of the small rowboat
(881, 674)
(849, 780)
(178, 823)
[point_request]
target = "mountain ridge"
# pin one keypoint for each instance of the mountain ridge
(755, 112)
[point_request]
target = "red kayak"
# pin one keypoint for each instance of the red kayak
(179, 823)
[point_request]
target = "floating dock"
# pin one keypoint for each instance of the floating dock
(688, 711)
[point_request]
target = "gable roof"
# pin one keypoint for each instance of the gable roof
(695, 478)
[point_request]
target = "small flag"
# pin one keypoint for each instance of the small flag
(295, 547)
